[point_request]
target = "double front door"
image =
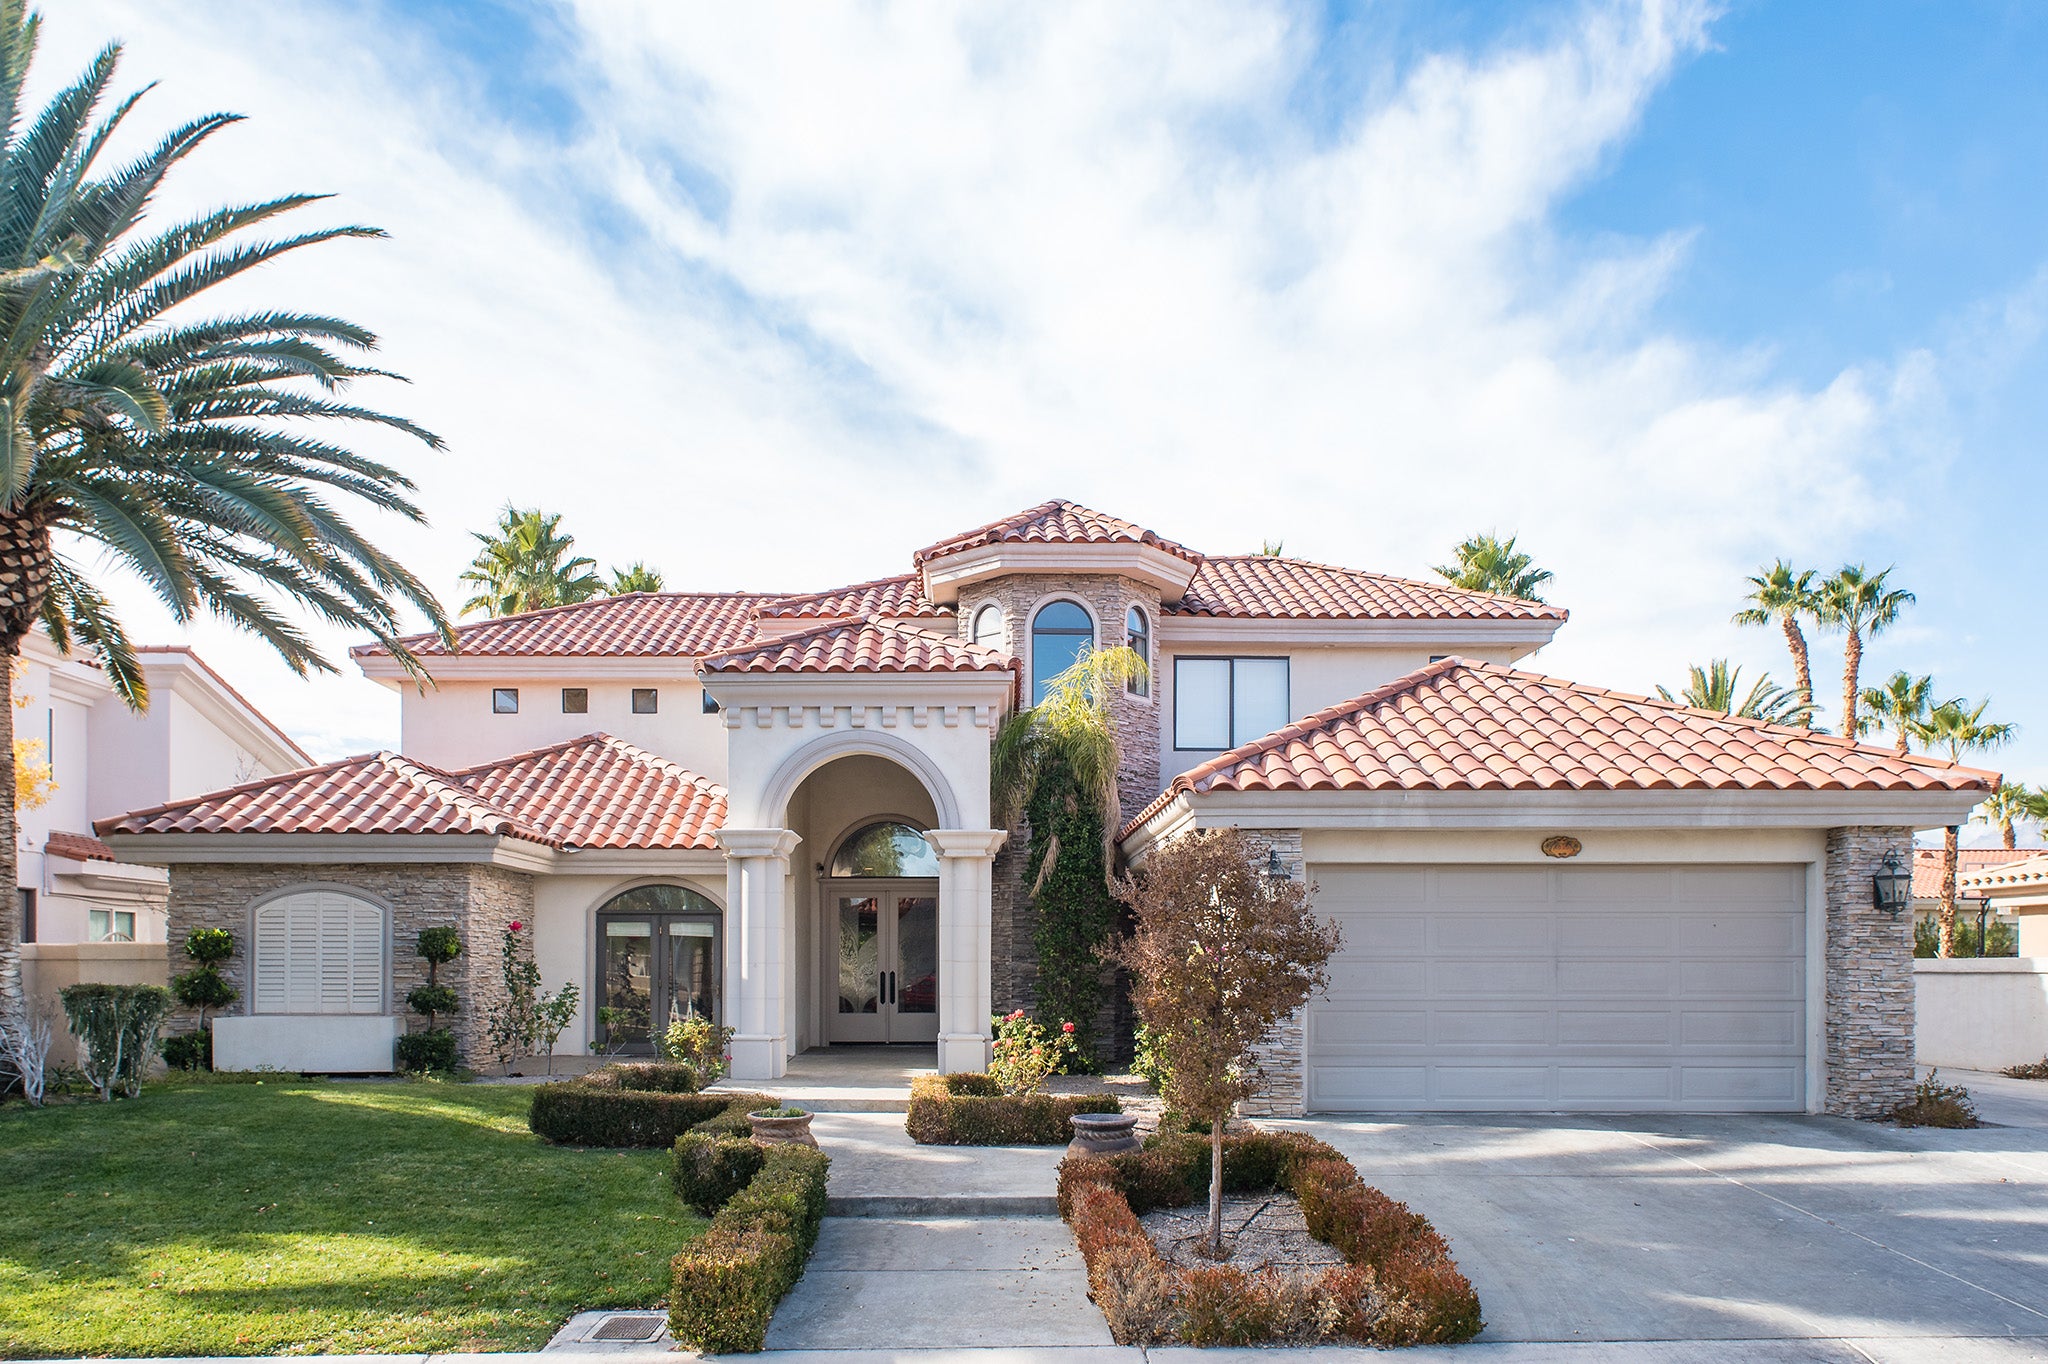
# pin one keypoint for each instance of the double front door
(888, 963)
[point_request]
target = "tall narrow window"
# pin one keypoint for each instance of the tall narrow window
(1139, 634)
(1061, 636)
(988, 627)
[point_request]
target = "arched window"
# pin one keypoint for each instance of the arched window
(1061, 636)
(1138, 632)
(657, 961)
(885, 848)
(988, 627)
(318, 952)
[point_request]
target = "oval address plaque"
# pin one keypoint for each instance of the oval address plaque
(1562, 845)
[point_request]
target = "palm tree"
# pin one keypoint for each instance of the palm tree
(522, 567)
(1271, 549)
(1957, 728)
(1488, 564)
(1786, 595)
(2007, 806)
(1714, 688)
(635, 577)
(1070, 731)
(1900, 705)
(1862, 606)
(203, 453)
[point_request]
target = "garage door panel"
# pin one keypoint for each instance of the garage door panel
(1477, 988)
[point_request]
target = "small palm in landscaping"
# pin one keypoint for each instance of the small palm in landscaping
(1219, 955)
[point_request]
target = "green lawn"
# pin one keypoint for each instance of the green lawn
(301, 1216)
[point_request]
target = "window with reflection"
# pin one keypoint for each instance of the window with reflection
(658, 961)
(988, 627)
(1061, 636)
(1138, 633)
(886, 848)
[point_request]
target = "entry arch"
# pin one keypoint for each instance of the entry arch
(809, 757)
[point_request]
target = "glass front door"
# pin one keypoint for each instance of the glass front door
(652, 968)
(888, 965)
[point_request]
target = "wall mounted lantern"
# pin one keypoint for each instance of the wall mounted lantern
(1275, 869)
(1893, 885)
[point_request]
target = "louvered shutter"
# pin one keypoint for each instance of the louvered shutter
(318, 952)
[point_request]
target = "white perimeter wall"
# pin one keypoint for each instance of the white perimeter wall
(1980, 1014)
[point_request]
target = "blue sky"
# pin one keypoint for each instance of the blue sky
(768, 296)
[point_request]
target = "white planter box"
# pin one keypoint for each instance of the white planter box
(1980, 1014)
(350, 1044)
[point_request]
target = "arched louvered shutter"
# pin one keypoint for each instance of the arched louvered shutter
(318, 952)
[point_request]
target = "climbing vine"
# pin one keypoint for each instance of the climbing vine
(1075, 914)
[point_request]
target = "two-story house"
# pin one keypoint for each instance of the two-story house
(774, 808)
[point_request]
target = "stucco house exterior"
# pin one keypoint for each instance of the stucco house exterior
(774, 808)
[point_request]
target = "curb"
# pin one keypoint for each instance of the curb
(910, 1206)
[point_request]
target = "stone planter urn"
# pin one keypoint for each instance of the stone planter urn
(1104, 1134)
(781, 1131)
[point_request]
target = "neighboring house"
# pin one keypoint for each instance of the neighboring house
(775, 809)
(198, 735)
(2017, 887)
(1927, 880)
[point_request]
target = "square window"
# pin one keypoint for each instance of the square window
(645, 700)
(504, 700)
(575, 700)
(1220, 703)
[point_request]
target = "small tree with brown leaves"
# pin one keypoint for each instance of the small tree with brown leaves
(1220, 953)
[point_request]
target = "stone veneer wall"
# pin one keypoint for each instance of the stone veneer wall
(478, 901)
(1869, 967)
(1282, 1057)
(1136, 719)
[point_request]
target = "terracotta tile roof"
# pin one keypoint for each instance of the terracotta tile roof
(1260, 585)
(78, 847)
(1458, 725)
(1057, 522)
(861, 646)
(683, 624)
(2029, 871)
(595, 791)
(900, 596)
(1927, 866)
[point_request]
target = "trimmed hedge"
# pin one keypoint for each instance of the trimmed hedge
(708, 1167)
(636, 1105)
(1399, 1285)
(727, 1282)
(970, 1109)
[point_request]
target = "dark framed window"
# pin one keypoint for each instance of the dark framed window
(658, 958)
(1061, 636)
(504, 700)
(28, 914)
(1138, 632)
(575, 700)
(1220, 703)
(646, 700)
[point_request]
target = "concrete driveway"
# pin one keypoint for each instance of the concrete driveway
(1737, 1228)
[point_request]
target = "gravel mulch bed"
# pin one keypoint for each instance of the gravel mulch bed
(1261, 1231)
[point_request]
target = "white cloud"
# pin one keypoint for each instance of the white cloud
(958, 261)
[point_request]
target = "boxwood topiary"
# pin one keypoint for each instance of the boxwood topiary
(727, 1283)
(708, 1168)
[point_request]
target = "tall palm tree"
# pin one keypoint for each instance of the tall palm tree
(2004, 808)
(201, 452)
(1070, 731)
(1900, 705)
(1786, 595)
(523, 566)
(635, 577)
(1715, 688)
(1958, 729)
(1487, 563)
(1862, 605)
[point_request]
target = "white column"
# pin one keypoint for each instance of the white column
(760, 943)
(966, 971)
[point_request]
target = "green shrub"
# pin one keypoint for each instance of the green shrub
(439, 945)
(727, 1283)
(634, 1105)
(710, 1167)
(1150, 1057)
(1399, 1285)
(116, 1027)
(431, 1000)
(967, 1110)
(666, 1077)
(1998, 940)
(699, 1043)
(188, 1050)
(433, 1051)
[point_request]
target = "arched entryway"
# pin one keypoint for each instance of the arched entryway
(880, 896)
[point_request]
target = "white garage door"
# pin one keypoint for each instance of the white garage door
(1599, 988)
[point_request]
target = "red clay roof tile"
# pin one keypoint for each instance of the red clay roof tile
(596, 792)
(1927, 865)
(682, 624)
(77, 847)
(1458, 725)
(1260, 585)
(1057, 522)
(862, 646)
(901, 596)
